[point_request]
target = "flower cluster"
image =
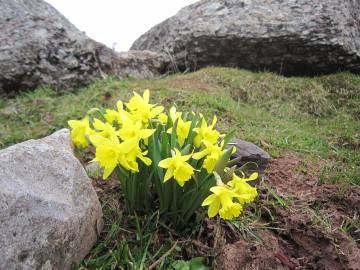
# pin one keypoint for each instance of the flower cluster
(166, 161)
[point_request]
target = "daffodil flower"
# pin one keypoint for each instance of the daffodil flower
(174, 114)
(246, 193)
(206, 133)
(213, 153)
(129, 161)
(112, 116)
(105, 130)
(79, 130)
(163, 118)
(182, 130)
(108, 153)
(131, 130)
(221, 202)
(141, 109)
(177, 167)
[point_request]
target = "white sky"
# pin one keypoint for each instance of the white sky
(117, 23)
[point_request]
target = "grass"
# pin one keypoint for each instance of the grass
(318, 118)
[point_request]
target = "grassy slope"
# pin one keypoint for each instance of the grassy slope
(318, 117)
(315, 117)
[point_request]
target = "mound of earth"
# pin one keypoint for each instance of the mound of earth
(308, 231)
(304, 37)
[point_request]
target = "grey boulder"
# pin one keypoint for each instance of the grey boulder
(40, 47)
(295, 37)
(50, 215)
(142, 64)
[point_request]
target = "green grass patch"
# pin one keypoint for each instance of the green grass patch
(317, 117)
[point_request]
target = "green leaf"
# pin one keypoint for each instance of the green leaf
(194, 264)
(173, 139)
(248, 166)
(222, 162)
(228, 137)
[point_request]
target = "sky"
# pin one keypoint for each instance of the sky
(117, 23)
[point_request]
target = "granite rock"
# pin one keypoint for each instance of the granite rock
(40, 47)
(50, 215)
(295, 37)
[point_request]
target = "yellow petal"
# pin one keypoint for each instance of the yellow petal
(107, 172)
(200, 155)
(214, 121)
(169, 173)
(165, 163)
(145, 133)
(119, 105)
(209, 200)
(146, 95)
(98, 124)
(97, 140)
(146, 160)
(157, 110)
(73, 123)
(214, 208)
(253, 176)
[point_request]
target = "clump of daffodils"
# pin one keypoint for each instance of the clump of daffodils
(174, 162)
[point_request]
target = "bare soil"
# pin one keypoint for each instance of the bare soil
(314, 226)
(318, 228)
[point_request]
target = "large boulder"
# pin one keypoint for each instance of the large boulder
(142, 64)
(50, 215)
(40, 47)
(295, 37)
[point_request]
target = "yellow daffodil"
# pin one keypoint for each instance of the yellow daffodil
(246, 193)
(129, 162)
(163, 118)
(132, 130)
(112, 116)
(174, 114)
(79, 130)
(213, 153)
(182, 130)
(108, 153)
(141, 109)
(177, 167)
(206, 133)
(105, 130)
(221, 202)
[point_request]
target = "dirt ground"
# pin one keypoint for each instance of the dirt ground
(313, 226)
(317, 227)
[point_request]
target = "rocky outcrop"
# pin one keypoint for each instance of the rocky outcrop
(40, 47)
(50, 215)
(142, 64)
(298, 37)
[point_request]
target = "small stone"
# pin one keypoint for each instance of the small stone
(249, 152)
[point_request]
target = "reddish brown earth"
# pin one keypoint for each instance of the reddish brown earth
(317, 225)
(308, 232)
